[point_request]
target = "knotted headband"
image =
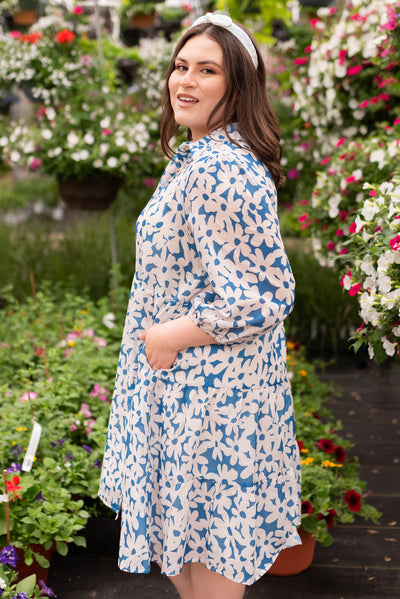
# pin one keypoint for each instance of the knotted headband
(227, 23)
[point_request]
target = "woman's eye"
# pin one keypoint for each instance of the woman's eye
(180, 67)
(208, 71)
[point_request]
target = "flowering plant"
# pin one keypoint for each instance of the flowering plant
(99, 132)
(26, 588)
(331, 488)
(374, 255)
(50, 66)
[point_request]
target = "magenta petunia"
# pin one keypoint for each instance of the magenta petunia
(354, 70)
(395, 243)
(354, 289)
(300, 61)
(330, 246)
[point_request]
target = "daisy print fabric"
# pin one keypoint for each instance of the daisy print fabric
(201, 459)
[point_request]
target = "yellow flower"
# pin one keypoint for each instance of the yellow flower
(304, 450)
(303, 372)
(77, 329)
(83, 311)
(306, 461)
(290, 345)
(20, 429)
(328, 463)
(71, 343)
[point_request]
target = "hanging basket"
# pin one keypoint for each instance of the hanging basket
(95, 192)
(295, 559)
(25, 17)
(143, 20)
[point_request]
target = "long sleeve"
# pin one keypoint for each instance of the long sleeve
(234, 223)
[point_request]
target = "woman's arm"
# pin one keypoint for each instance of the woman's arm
(164, 341)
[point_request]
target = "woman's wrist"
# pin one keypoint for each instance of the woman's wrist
(182, 333)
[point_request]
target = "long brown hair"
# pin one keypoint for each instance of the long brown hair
(246, 101)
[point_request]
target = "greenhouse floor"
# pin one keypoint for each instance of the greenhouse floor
(364, 560)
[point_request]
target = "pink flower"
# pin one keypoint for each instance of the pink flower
(343, 251)
(395, 243)
(342, 56)
(325, 160)
(35, 164)
(300, 61)
(354, 70)
(384, 97)
(350, 179)
(339, 232)
(149, 182)
(73, 427)
(373, 193)
(77, 10)
(106, 131)
(330, 246)
(85, 410)
(307, 49)
(27, 396)
(340, 142)
(99, 341)
(396, 121)
(88, 333)
(363, 104)
(293, 174)
(354, 289)
(303, 217)
(100, 392)
(353, 228)
(16, 34)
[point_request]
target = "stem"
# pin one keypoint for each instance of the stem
(7, 509)
(32, 280)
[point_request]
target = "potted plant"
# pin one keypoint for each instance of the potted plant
(11, 587)
(26, 13)
(92, 145)
(140, 15)
(331, 488)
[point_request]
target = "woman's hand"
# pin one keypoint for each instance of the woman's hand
(164, 341)
(159, 349)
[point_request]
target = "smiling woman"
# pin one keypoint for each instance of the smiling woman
(197, 85)
(201, 458)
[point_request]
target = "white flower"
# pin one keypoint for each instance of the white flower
(50, 113)
(2, 583)
(3, 141)
(370, 351)
(367, 267)
(384, 283)
(109, 320)
(369, 210)
(88, 138)
(112, 162)
(55, 152)
(98, 163)
(389, 347)
(72, 139)
(105, 123)
(15, 156)
(396, 331)
(47, 134)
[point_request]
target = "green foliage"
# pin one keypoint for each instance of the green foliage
(264, 12)
(22, 193)
(323, 316)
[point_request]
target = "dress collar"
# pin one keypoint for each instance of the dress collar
(189, 149)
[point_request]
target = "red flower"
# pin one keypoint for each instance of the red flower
(300, 444)
(13, 487)
(340, 454)
(307, 507)
(339, 232)
(343, 251)
(353, 500)
(330, 522)
(353, 228)
(65, 36)
(326, 445)
(330, 246)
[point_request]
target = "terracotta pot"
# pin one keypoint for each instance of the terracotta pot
(96, 192)
(25, 17)
(35, 568)
(143, 20)
(295, 559)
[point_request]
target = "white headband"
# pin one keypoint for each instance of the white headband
(225, 21)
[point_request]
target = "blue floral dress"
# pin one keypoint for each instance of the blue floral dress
(201, 458)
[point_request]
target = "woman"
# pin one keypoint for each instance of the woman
(201, 456)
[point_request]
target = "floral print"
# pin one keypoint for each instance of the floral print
(201, 458)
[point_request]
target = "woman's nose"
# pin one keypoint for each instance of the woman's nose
(188, 78)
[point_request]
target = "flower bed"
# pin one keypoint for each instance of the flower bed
(58, 358)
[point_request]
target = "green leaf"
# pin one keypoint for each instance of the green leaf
(80, 541)
(27, 585)
(62, 548)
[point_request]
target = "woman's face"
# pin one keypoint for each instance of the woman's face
(197, 84)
